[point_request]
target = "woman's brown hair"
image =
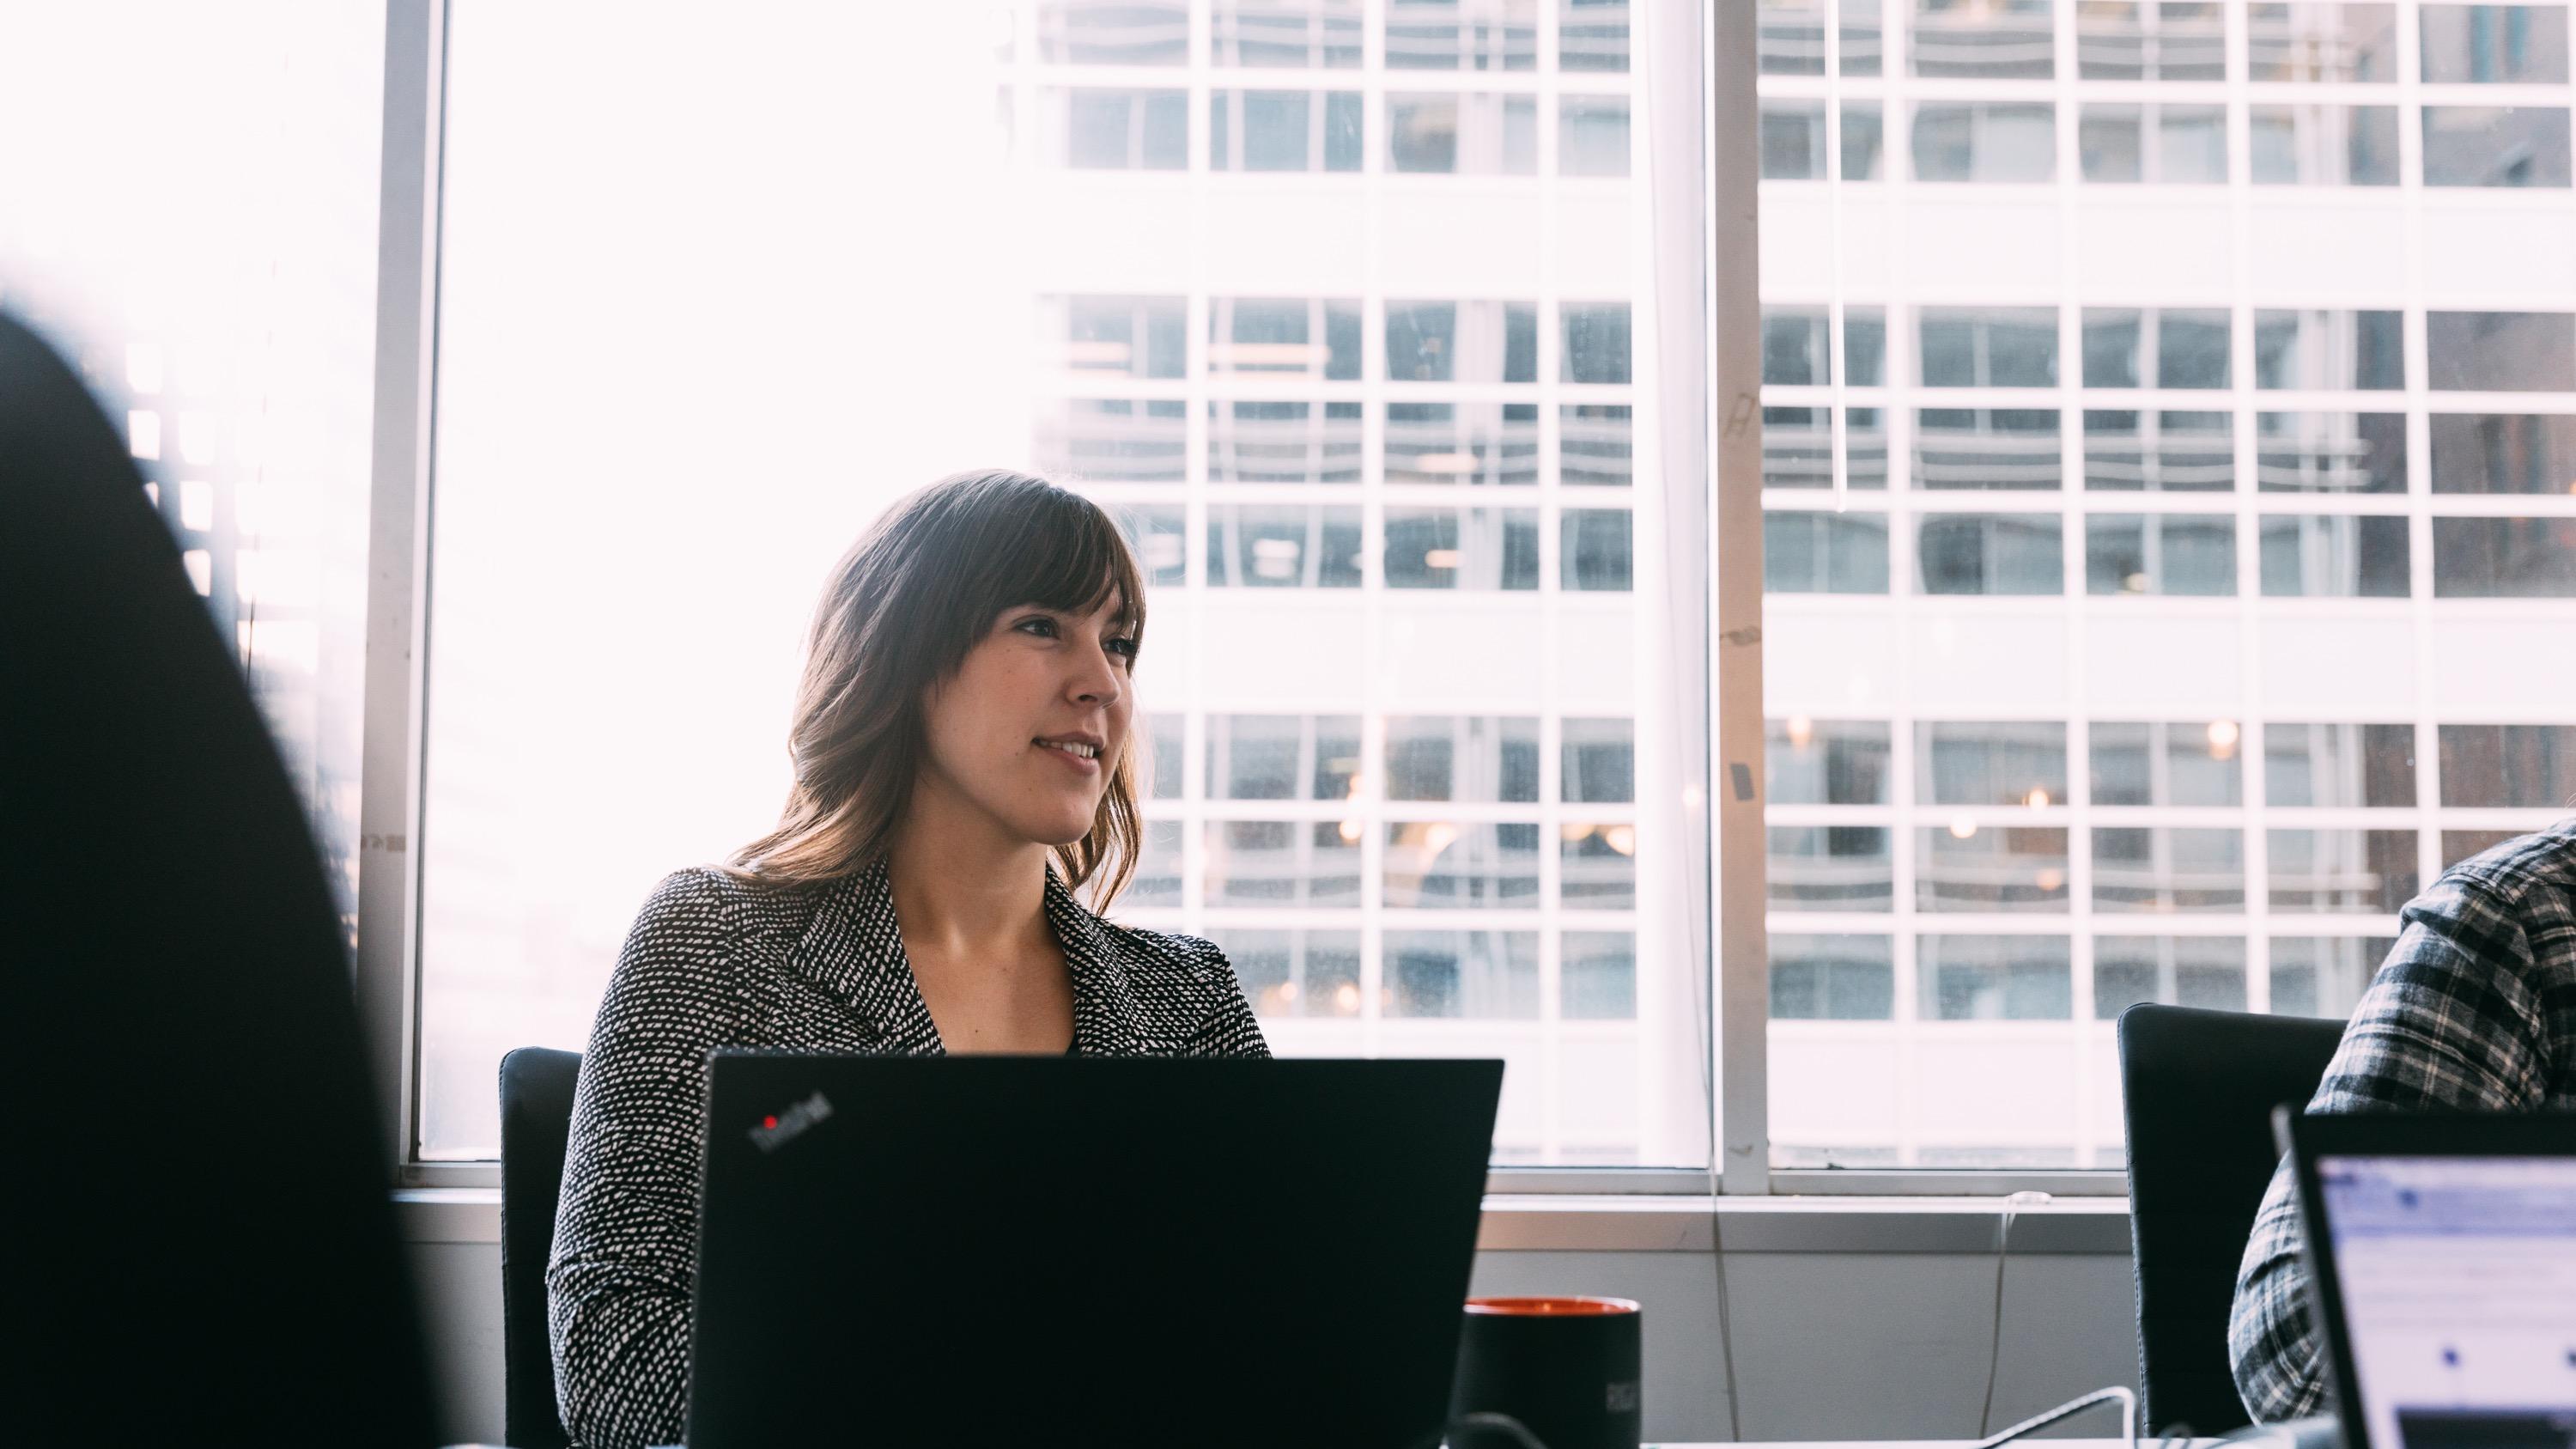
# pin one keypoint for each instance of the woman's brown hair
(904, 607)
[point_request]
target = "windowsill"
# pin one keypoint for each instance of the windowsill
(1567, 1223)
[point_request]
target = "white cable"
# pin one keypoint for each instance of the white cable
(1995, 1343)
(2127, 1401)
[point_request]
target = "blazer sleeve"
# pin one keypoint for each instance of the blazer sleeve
(2452, 1022)
(618, 1285)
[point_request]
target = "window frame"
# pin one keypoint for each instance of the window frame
(1707, 734)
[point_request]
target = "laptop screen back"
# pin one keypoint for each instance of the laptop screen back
(2458, 1286)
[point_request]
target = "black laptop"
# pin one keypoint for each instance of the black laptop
(2441, 1255)
(1030, 1251)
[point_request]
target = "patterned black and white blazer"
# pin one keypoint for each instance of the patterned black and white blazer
(714, 961)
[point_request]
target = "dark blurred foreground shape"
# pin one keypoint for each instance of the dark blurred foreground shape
(202, 1245)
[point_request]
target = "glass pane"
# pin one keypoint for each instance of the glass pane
(1597, 975)
(1994, 978)
(1446, 865)
(1462, 973)
(2324, 975)
(2160, 553)
(2504, 453)
(1463, 133)
(1462, 34)
(1462, 548)
(1600, 761)
(2509, 766)
(1282, 756)
(1832, 978)
(2192, 765)
(1592, 136)
(1093, 128)
(1284, 130)
(1469, 443)
(1284, 442)
(1991, 553)
(2160, 452)
(1285, 33)
(1990, 764)
(1971, 867)
(1832, 868)
(1827, 762)
(2168, 870)
(2360, 871)
(1113, 32)
(2514, 146)
(1986, 39)
(2321, 40)
(2148, 40)
(2202, 971)
(2505, 558)
(2319, 145)
(2335, 556)
(2339, 766)
(1282, 863)
(1474, 758)
(2488, 44)
(1597, 866)
(2331, 452)
(1295, 973)
(1988, 448)
(1283, 547)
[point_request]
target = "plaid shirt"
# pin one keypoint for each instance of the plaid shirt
(2474, 1011)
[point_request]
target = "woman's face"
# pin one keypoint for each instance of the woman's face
(1035, 720)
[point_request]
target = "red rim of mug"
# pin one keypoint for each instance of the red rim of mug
(1567, 1307)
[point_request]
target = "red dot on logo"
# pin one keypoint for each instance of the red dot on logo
(768, 1121)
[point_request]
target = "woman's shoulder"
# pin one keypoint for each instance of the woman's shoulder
(1168, 954)
(719, 910)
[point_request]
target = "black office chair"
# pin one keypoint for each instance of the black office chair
(205, 1249)
(536, 1119)
(2198, 1089)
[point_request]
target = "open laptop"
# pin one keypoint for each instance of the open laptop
(1026, 1251)
(2441, 1256)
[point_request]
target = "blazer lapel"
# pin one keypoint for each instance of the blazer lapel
(1107, 1022)
(853, 947)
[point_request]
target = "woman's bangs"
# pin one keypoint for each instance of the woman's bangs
(1073, 561)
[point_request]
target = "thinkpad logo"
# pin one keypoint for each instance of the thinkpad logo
(778, 1129)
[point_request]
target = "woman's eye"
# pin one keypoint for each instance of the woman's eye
(1041, 624)
(1123, 648)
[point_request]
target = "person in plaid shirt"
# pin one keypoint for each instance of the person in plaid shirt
(2475, 1010)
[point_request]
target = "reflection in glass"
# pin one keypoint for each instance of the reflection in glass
(2159, 452)
(2168, 869)
(1283, 757)
(1992, 141)
(1284, 336)
(1281, 863)
(1479, 341)
(1987, 448)
(2460, 845)
(1792, 36)
(1985, 868)
(1959, 762)
(1462, 974)
(1598, 763)
(1435, 864)
(1462, 133)
(2486, 44)
(1987, 346)
(2507, 767)
(1797, 452)
(2191, 764)
(1117, 336)
(1462, 35)
(2308, 145)
(1596, 445)
(2331, 452)
(2130, 40)
(1283, 546)
(2324, 975)
(1474, 758)
(1294, 973)
(1796, 338)
(1597, 975)
(1462, 548)
(1597, 866)
(1135, 440)
(2339, 766)
(2169, 554)
(1826, 762)
(2504, 453)
(1815, 552)
(2369, 871)
(1832, 868)
(1090, 128)
(2202, 971)
(2156, 143)
(2169, 347)
(1593, 550)
(1592, 35)
(1113, 32)
(1994, 978)
(1163, 779)
(1476, 443)
(1596, 344)
(1284, 130)
(1300, 34)
(1592, 136)
(1157, 881)
(1832, 978)
(1991, 553)
(2515, 146)
(2504, 558)
(1983, 39)
(2502, 351)
(2321, 40)
(1283, 442)
(1159, 534)
(2334, 556)
(1793, 140)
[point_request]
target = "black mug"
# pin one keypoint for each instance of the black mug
(1569, 1369)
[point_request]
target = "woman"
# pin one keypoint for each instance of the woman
(964, 716)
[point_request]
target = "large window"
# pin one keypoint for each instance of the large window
(2166, 483)
(2159, 570)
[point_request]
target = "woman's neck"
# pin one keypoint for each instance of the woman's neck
(961, 886)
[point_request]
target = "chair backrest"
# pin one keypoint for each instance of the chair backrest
(200, 1183)
(536, 1119)
(2198, 1089)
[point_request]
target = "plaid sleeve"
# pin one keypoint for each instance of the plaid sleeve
(2452, 1021)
